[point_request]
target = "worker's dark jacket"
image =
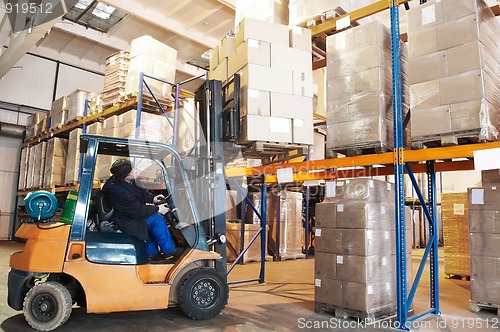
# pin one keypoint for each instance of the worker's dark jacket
(129, 202)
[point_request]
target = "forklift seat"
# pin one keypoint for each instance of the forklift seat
(104, 211)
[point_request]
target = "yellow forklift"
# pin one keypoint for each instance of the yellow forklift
(87, 263)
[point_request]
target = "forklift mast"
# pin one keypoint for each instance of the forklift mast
(211, 193)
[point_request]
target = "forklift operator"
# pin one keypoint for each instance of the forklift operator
(133, 216)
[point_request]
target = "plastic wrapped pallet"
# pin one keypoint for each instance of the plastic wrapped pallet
(355, 237)
(359, 89)
(153, 58)
(59, 112)
(23, 168)
(38, 162)
(77, 100)
(484, 227)
(109, 128)
(456, 236)
(55, 162)
(265, 10)
(73, 158)
(30, 166)
(454, 70)
(233, 232)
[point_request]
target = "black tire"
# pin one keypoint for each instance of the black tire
(203, 293)
(47, 306)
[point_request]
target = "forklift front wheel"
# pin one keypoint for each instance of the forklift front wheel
(47, 306)
(203, 293)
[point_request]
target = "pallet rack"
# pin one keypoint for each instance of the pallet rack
(395, 163)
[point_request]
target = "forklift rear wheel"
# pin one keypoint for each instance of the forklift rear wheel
(203, 293)
(47, 306)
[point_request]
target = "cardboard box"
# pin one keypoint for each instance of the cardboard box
(359, 107)
(325, 265)
(147, 45)
(457, 32)
(214, 58)
(427, 67)
(373, 80)
(326, 214)
(220, 73)
(291, 106)
(425, 16)
(484, 198)
(365, 189)
(460, 8)
(231, 204)
(365, 215)
(251, 51)
(358, 60)
(300, 38)
(233, 232)
(303, 131)
(263, 128)
(291, 58)
(272, 33)
(227, 47)
(484, 221)
(77, 103)
(361, 242)
(328, 240)
(490, 177)
(422, 42)
(369, 298)
(485, 268)
(302, 84)
(463, 58)
(154, 67)
(373, 130)
(365, 270)
(424, 95)
(468, 116)
(328, 291)
(485, 291)
(266, 78)
(431, 121)
(482, 244)
(255, 102)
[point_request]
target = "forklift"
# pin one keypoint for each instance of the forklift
(89, 264)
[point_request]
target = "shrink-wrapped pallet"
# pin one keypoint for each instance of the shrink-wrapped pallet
(355, 248)
(38, 162)
(265, 10)
(73, 158)
(233, 233)
(359, 89)
(59, 112)
(484, 227)
(76, 107)
(23, 168)
(456, 236)
(55, 162)
(454, 70)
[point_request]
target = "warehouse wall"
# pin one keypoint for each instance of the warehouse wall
(33, 82)
(33, 79)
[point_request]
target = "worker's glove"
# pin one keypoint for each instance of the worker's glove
(162, 209)
(158, 199)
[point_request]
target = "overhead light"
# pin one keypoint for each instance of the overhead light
(103, 11)
(82, 4)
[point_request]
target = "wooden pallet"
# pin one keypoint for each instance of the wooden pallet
(266, 149)
(357, 150)
(459, 138)
(53, 128)
(477, 306)
(369, 318)
(148, 103)
(291, 257)
(75, 119)
(457, 276)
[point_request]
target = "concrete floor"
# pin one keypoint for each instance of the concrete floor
(284, 303)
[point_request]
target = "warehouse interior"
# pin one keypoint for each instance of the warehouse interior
(371, 127)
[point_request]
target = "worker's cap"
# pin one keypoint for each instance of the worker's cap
(121, 168)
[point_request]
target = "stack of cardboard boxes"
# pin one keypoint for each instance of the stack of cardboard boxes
(35, 166)
(153, 58)
(359, 88)
(355, 247)
(275, 65)
(23, 168)
(456, 236)
(264, 10)
(454, 70)
(484, 227)
(59, 112)
(73, 158)
(55, 162)
(115, 75)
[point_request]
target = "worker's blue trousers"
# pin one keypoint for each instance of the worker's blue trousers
(158, 235)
